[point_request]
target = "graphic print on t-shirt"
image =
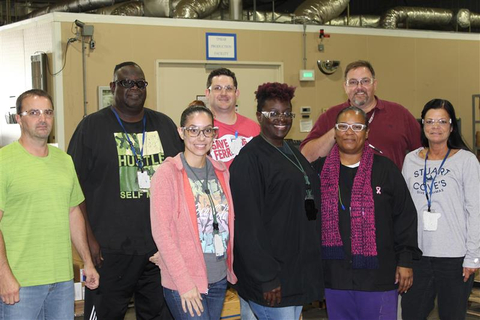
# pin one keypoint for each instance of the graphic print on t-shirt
(437, 186)
(153, 156)
(226, 147)
(205, 214)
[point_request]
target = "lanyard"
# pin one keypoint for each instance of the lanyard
(427, 189)
(207, 192)
(298, 165)
(371, 118)
(138, 160)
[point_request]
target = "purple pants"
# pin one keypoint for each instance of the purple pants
(361, 305)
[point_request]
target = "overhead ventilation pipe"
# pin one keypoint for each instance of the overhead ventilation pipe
(416, 17)
(195, 9)
(132, 8)
(73, 6)
(319, 11)
(356, 21)
(467, 19)
(259, 16)
(159, 8)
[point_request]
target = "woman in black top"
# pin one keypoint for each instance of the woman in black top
(369, 226)
(275, 194)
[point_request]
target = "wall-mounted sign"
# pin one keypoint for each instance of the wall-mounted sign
(221, 46)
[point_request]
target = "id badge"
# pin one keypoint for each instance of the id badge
(218, 244)
(143, 180)
(430, 220)
(310, 207)
(236, 145)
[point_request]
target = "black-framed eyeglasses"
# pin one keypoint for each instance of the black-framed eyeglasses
(273, 115)
(356, 127)
(194, 132)
(35, 113)
(126, 83)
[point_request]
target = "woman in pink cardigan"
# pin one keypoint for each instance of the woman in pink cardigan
(192, 222)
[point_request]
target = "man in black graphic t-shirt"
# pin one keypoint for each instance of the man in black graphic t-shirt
(116, 151)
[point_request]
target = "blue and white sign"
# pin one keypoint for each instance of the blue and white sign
(221, 46)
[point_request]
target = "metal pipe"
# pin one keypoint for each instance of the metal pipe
(236, 7)
(304, 45)
(416, 17)
(84, 65)
(319, 11)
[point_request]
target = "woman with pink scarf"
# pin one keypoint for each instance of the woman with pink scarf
(369, 225)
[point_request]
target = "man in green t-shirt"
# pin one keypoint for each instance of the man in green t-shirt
(39, 218)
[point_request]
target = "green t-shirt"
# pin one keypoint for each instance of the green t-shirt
(36, 194)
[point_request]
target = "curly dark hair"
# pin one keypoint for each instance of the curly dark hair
(273, 91)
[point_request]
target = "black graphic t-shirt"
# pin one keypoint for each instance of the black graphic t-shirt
(118, 207)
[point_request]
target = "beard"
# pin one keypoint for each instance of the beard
(360, 102)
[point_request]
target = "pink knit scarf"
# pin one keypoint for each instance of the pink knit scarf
(362, 212)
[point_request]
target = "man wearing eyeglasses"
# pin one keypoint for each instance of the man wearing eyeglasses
(235, 130)
(40, 217)
(393, 129)
(116, 151)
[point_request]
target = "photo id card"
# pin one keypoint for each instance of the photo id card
(143, 180)
(430, 220)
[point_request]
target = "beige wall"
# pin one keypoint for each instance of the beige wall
(410, 70)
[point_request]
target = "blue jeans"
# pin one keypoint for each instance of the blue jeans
(212, 302)
(269, 313)
(246, 312)
(46, 302)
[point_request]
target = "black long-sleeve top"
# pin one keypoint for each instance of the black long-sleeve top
(396, 229)
(275, 243)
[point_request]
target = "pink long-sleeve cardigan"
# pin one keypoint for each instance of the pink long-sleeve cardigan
(175, 229)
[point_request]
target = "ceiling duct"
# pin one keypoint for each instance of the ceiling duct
(132, 8)
(356, 21)
(159, 8)
(416, 17)
(195, 9)
(258, 16)
(319, 11)
(73, 6)
(467, 19)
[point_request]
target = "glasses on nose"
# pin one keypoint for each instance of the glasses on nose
(35, 113)
(141, 84)
(440, 122)
(218, 89)
(356, 127)
(274, 115)
(194, 132)
(363, 82)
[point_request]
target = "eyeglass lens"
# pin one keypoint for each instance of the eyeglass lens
(195, 132)
(227, 88)
(37, 112)
(131, 83)
(277, 115)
